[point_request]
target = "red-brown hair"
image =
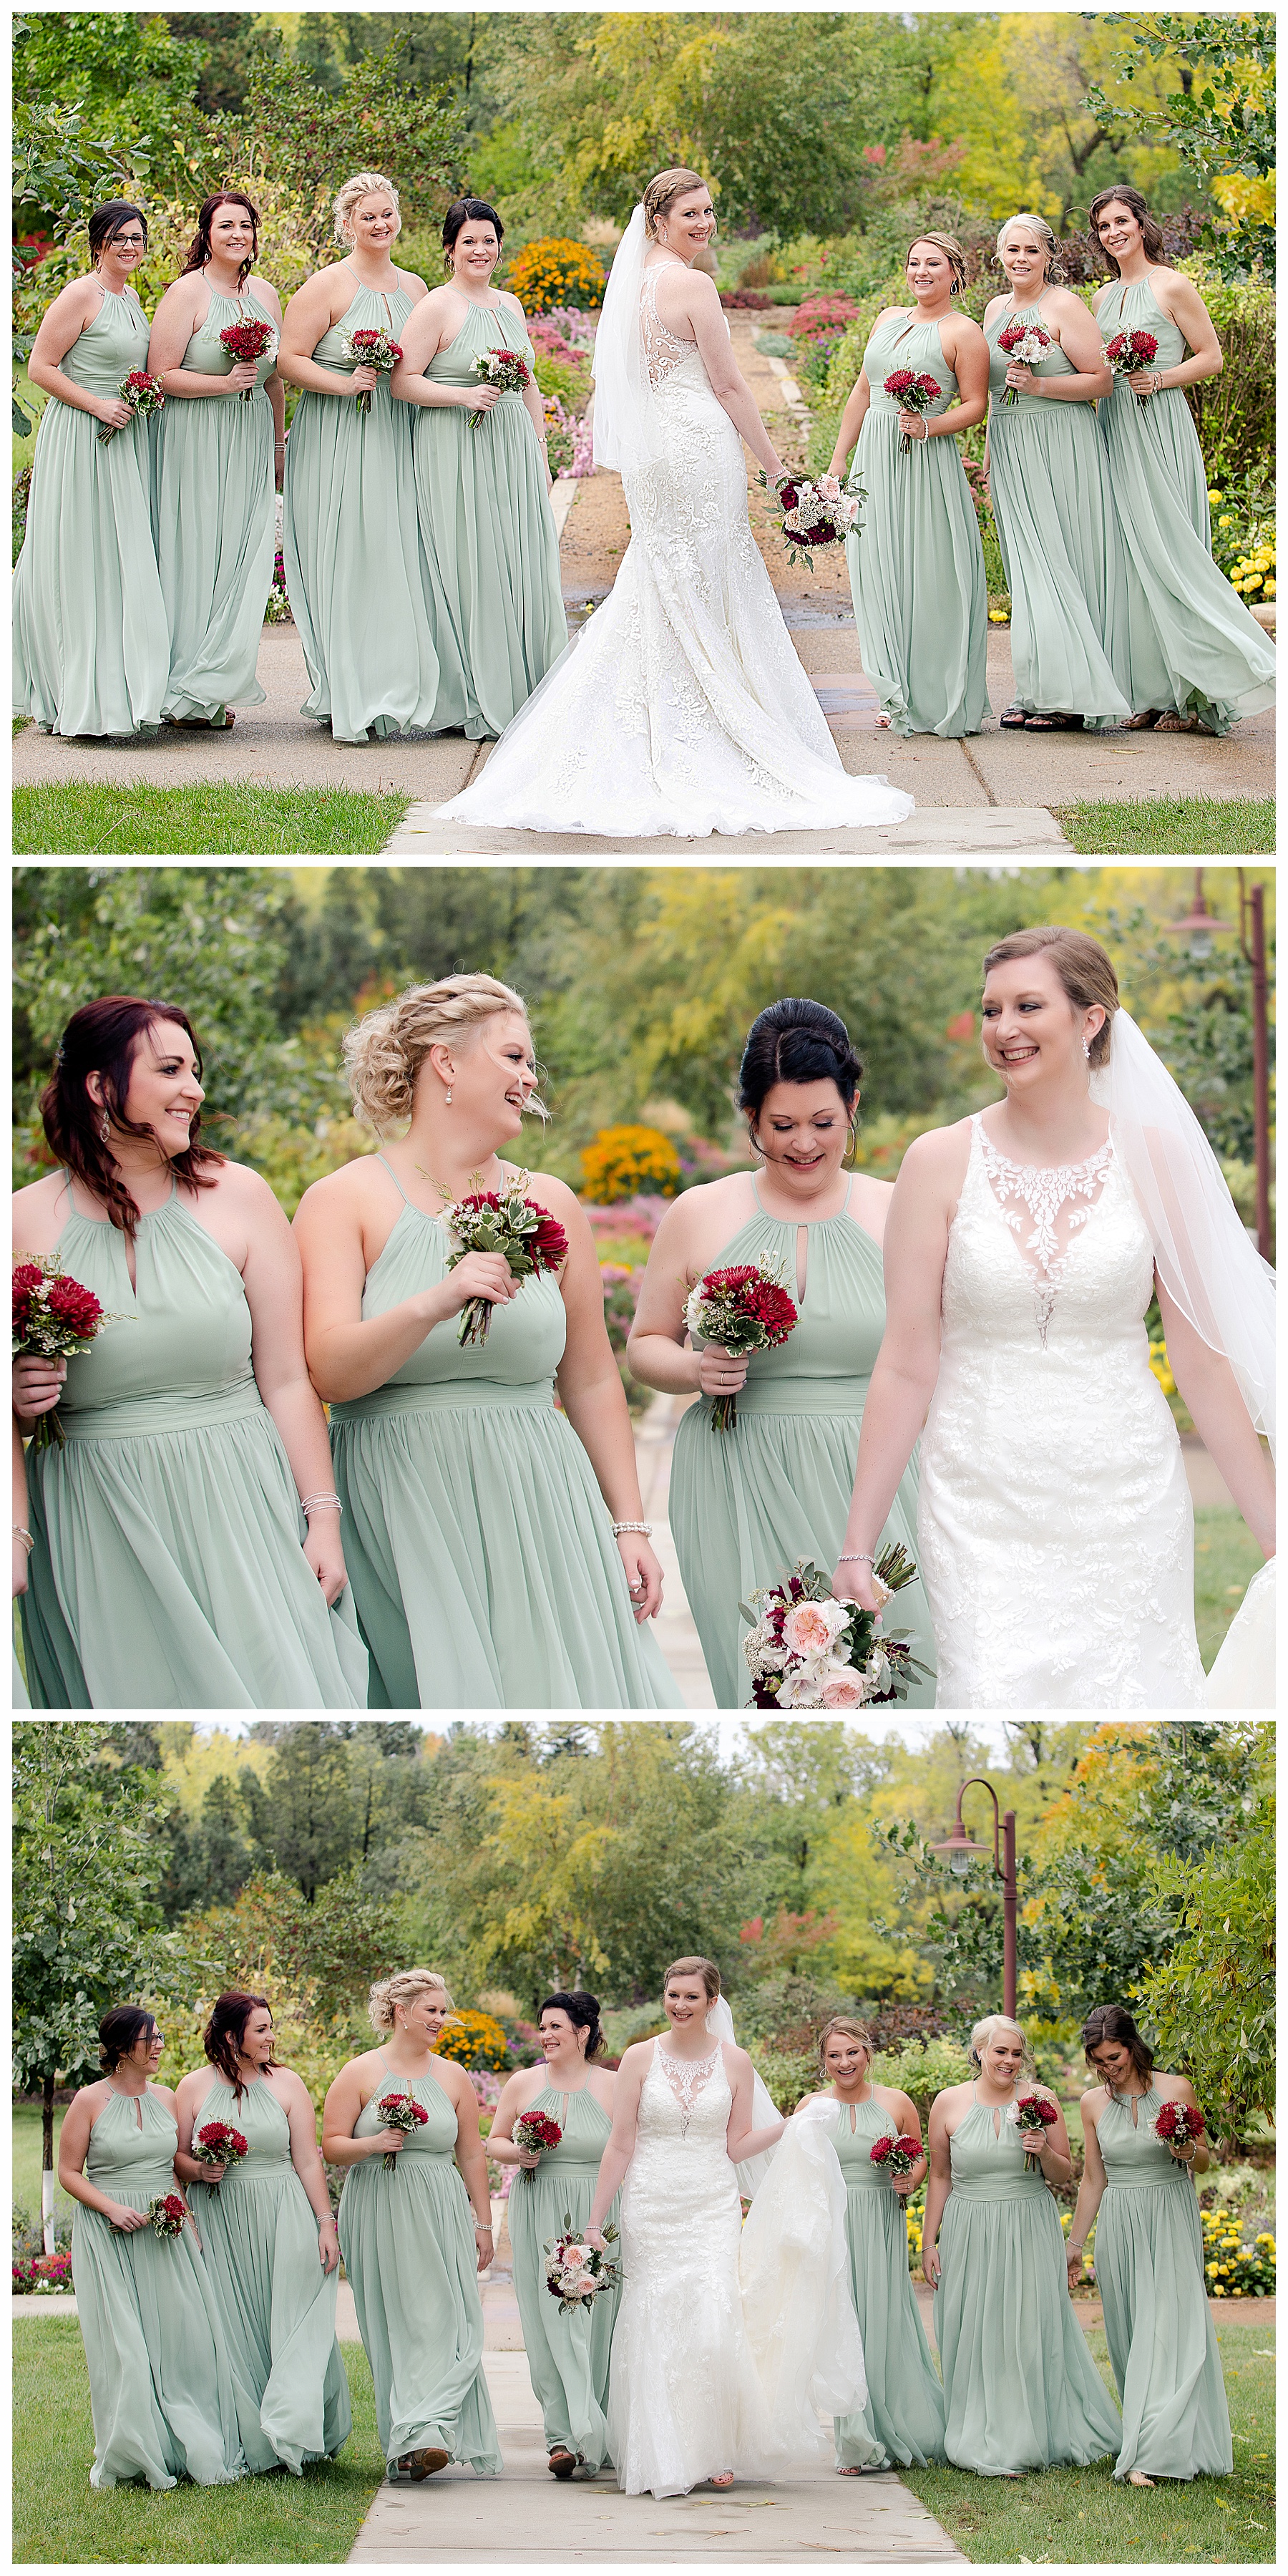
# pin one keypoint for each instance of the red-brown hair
(225, 2031)
(103, 1038)
(206, 213)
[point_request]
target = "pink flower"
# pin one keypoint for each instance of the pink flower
(811, 1626)
(844, 1690)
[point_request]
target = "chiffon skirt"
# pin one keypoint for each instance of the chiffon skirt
(277, 2306)
(917, 578)
(1021, 2390)
(1162, 2343)
(160, 2385)
(214, 521)
(408, 2245)
(568, 2357)
(489, 537)
(903, 2421)
(1060, 548)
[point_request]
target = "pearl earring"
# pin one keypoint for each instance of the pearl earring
(447, 1096)
(1086, 1049)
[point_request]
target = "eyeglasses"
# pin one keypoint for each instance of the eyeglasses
(128, 241)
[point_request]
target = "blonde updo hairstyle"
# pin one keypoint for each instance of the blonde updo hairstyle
(403, 1988)
(849, 2027)
(704, 1968)
(1083, 966)
(366, 183)
(985, 2030)
(1037, 224)
(662, 192)
(385, 1049)
(953, 253)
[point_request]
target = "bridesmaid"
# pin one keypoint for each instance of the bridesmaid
(903, 2420)
(747, 1502)
(23, 1543)
(499, 1555)
(1149, 2261)
(916, 563)
(1049, 488)
(270, 2241)
(175, 1564)
(1021, 2390)
(482, 487)
(217, 456)
(90, 654)
(1196, 655)
(567, 2356)
(405, 2234)
(160, 2386)
(355, 568)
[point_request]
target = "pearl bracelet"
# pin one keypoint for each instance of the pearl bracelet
(862, 1558)
(644, 1528)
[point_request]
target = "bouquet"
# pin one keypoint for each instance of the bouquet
(1031, 2115)
(896, 2155)
(502, 1221)
(1026, 343)
(54, 1318)
(246, 343)
(575, 2271)
(217, 2144)
(143, 394)
(742, 1309)
(911, 393)
(807, 1650)
(537, 2135)
(167, 2214)
(400, 2111)
(372, 349)
(1176, 2122)
(809, 518)
(1131, 352)
(503, 368)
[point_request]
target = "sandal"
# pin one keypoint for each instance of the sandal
(1054, 722)
(561, 2462)
(1013, 718)
(426, 2464)
(1171, 722)
(725, 2479)
(1149, 716)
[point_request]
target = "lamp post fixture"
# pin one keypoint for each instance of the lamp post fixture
(960, 1850)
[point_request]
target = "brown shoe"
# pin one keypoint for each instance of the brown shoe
(426, 2464)
(561, 2463)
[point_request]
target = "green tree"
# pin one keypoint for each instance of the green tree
(208, 1861)
(1219, 115)
(375, 119)
(1210, 1995)
(301, 1818)
(129, 77)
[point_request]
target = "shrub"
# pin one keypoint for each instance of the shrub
(567, 381)
(922, 2071)
(621, 1297)
(21, 496)
(1233, 2268)
(42, 2274)
(1243, 533)
(787, 2078)
(619, 1161)
(551, 274)
(474, 2039)
(1234, 412)
(823, 317)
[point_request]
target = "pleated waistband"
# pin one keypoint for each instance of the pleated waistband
(146, 1416)
(463, 1395)
(837, 1396)
(138, 2191)
(985, 2192)
(1149, 2182)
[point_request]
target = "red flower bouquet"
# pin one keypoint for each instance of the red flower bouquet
(503, 368)
(143, 394)
(217, 2144)
(54, 1318)
(376, 349)
(896, 2155)
(1131, 352)
(400, 2111)
(503, 1221)
(741, 1309)
(575, 2271)
(1026, 343)
(809, 519)
(911, 393)
(808, 1650)
(1176, 2122)
(537, 2135)
(246, 343)
(1032, 2115)
(167, 2213)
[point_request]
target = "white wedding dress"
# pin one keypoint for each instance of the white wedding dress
(682, 707)
(1055, 1531)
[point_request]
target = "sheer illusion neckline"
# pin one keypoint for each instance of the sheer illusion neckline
(1048, 1195)
(687, 2078)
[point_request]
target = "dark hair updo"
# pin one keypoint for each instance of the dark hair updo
(583, 2013)
(109, 219)
(794, 1041)
(1114, 2023)
(119, 2031)
(206, 213)
(225, 2031)
(467, 210)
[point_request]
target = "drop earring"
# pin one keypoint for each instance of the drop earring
(1086, 1049)
(105, 1128)
(447, 1096)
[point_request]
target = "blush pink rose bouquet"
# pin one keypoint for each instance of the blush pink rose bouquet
(577, 2273)
(807, 1650)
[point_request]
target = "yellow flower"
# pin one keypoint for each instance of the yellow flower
(1253, 581)
(1225, 523)
(1269, 589)
(1216, 496)
(998, 617)
(1210, 2269)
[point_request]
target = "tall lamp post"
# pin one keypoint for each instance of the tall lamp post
(960, 1851)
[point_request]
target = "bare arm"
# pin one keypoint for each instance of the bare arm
(903, 2111)
(61, 328)
(186, 2103)
(658, 1347)
(592, 1393)
(1084, 349)
(73, 2147)
(1091, 2189)
(515, 2097)
(1055, 2156)
(21, 1551)
(970, 366)
(615, 2160)
(182, 309)
(471, 2160)
(742, 2142)
(938, 2187)
(339, 1222)
(1210, 1389)
(307, 319)
(1180, 2089)
(852, 420)
(431, 326)
(341, 2113)
(273, 1280)
(1181, 299)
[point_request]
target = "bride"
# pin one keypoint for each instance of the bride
(682, 708)
(1055, 1532)
(727, 2340)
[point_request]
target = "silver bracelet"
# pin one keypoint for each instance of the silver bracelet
(644, 1528)
(321, 1503)
(25, 1535)
(862, 1558)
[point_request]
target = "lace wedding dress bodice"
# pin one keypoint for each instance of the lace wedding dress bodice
(682, 708)
(1055, 1531)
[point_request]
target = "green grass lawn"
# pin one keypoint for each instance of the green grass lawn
(1226, 1556)
(57, 2519)
(1162, 826)
(158, 822)
(1080, 2517)
(26, 2163)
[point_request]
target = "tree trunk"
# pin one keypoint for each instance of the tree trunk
(47, 2164)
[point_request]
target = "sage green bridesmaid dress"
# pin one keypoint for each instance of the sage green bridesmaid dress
(902, 2423)
(1149, 2273)
(915, 559)
(160, 2385)
(1021, 2390)
(479, 1546)
(489, 537)
(90, 640)
(745, 1503)
(214, 518)
(1191, 643)
(1059, 538)
(276, 2304)
(356, 574)
(408, 2243)
(168, 1570)
(567, 2356)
